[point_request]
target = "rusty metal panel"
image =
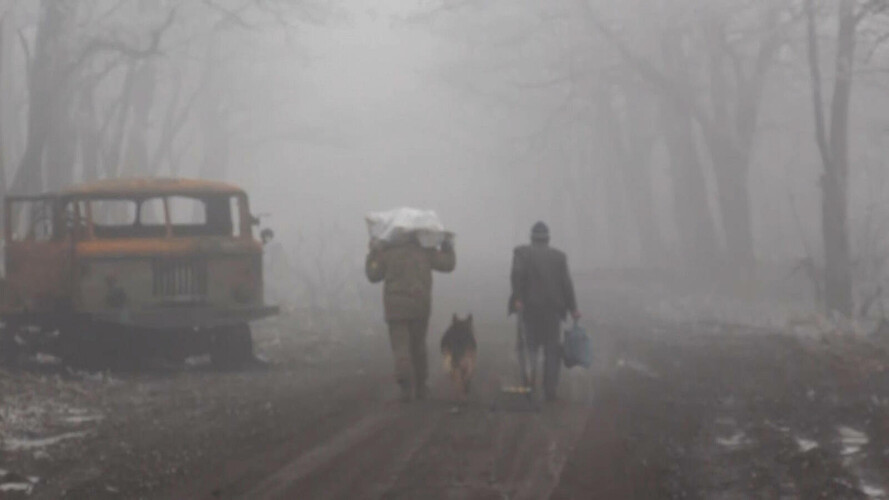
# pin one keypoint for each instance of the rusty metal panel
(179, 279)
(37, 258)
(37, 276)
(187, 277)
(124, 188)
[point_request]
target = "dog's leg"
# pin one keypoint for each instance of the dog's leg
(467, 366)
(457, 379)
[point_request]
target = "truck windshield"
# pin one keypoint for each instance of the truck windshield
(150, 217)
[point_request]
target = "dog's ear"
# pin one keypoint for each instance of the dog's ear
(469, 319)
(455, 319)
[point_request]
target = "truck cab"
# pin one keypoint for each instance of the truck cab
(155, 261)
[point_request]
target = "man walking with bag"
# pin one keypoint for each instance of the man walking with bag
(406, 267)
(542, 296)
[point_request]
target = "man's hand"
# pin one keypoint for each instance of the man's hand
(519, 305)
(447, 245)
(576, 315)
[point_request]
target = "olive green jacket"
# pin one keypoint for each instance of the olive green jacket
(407, 271)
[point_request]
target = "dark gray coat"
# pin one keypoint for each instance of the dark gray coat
(540, 279)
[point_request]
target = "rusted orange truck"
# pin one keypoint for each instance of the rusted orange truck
(120, 268)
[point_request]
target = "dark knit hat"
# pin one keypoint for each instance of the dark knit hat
(540, 232)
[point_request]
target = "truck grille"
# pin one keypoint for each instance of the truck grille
(180, 278)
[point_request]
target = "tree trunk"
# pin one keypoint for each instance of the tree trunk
(833, 144)
(694, 219)
(613, 186)
(838, 261)
(169, 128)
(637, 147)
(61, 147)
(627, 150)
(215, 139)
(731, 162)
(2, 116)
(90, 137)
(43, 83)
(142, 99)
(114, 150)
(731, 168)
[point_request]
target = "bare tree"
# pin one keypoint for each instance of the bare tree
(726, 115)
(833, 145)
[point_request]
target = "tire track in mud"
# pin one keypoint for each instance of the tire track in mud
(436, 448)
(485, 451)
(306, 427)
(359, 462)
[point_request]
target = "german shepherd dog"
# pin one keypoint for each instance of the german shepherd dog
(460, 350)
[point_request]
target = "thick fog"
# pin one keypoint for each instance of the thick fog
(716, 171)
(679, 136)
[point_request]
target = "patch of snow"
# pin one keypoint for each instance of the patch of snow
(806, 445)
(852, 440)
(780, 428)
(638, 367)
(17, 444)
(46, 359)
(196, 361)
(26, 488)
(733, 441)
(98, 377)
(10, 482)
(873, 491)
(82, 419)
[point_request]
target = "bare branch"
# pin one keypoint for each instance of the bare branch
(98, 46)
(648, 71)
(29, 58)
(112, 10)
(233, 16)
(870, 7)
(815, 70)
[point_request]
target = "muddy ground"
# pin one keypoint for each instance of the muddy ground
(670, 410)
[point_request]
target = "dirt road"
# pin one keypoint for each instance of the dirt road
(667, 412)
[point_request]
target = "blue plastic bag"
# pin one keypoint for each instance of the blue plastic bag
(577, 349)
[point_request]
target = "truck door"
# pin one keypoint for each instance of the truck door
(37, 256)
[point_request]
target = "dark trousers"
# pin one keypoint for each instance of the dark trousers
(541, 330)
(408, 339)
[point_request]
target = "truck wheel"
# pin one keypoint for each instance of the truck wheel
(232, 346)
(79, 346)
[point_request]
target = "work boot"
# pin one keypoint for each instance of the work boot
(422, 391)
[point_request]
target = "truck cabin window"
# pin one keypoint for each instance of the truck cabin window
(32, 220)
(146, 218)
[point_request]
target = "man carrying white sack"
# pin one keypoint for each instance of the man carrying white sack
(406, 246)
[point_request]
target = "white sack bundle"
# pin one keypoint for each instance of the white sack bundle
(393, 226)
